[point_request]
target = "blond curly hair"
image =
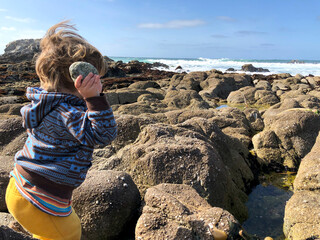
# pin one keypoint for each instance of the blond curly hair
(61, 47)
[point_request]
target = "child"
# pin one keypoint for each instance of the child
(64, 122)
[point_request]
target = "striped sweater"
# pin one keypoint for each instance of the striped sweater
(62, 132)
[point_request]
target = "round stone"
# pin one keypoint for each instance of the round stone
(81, 68)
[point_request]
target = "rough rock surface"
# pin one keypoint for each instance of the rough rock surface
(9, 129)
(105, 203)
(173, 154)
(302, 213)
(6, 165)
(5, 218)
(287, 137)
(7, 233)
(176, 211)
(252, 96)
(20, 50)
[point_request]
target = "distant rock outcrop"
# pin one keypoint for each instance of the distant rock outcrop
(20, 50)
(251, 68)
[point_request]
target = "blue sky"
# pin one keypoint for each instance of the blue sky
(247, 29)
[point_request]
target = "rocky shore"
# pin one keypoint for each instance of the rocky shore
(190, 147)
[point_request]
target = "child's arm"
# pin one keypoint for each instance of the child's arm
(97, 125)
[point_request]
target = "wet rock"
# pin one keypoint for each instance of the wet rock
(160, 65)
(176, 211)
(105, 203)
(251, 68)
(114, 71)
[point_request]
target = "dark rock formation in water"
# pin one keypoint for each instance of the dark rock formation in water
(251, 68)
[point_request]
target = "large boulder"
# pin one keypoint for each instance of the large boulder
(302, 211)
(175, 154)
(20, 50)
(220, 86)
(288, 137)
(190, 81)
(176, 211)
(184, 98)
(105, 203)
(252, 96)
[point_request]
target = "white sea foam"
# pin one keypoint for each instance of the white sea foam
(274, 66)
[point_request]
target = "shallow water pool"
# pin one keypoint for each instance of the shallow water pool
(266, 205)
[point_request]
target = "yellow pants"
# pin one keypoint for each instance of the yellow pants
(40, 224)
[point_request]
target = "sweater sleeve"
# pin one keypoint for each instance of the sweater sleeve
(94, 126)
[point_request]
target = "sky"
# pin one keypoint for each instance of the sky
(246, 29)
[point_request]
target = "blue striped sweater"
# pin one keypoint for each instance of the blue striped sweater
(62, 132)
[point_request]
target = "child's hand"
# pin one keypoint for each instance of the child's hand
(90, 87)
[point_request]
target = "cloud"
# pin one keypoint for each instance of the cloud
(318, 18)
(267, 45)
(22, 20)
(173, 24)
(3, 10)
(7, 29)
(247, 33)
(226, 19)
(219, 36)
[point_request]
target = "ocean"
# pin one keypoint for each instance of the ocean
(204, 64)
